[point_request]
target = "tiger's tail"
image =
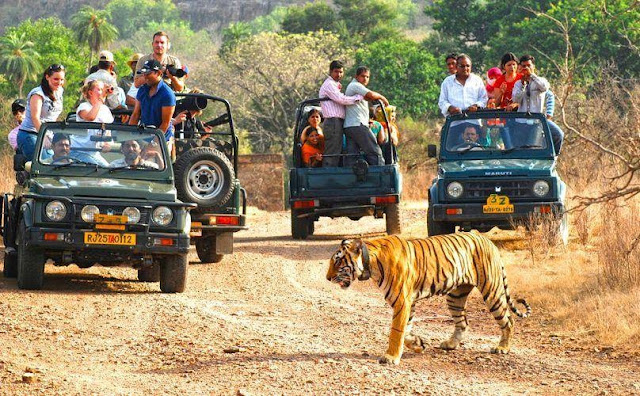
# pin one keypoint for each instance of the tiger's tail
(512, 305)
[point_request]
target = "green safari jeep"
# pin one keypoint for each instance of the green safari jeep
(496, 169)
(97, 194)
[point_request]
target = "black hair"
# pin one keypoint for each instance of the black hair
(313, 111)
(103, 64)
(18, 105)
(44, 84)
(93, 69)
(452, 55)
(336, 64)
(58, 136)
(506, 58)
(527, 57)
(361, 69)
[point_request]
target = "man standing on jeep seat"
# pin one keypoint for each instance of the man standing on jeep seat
(161, 46)
(356, 121)
(333, 112)
(529, 93)
(155, 101)
(463, 91)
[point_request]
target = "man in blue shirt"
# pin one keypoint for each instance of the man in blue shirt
(155, 101)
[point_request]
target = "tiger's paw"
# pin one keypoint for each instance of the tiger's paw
(449, 344)
(416, 344)
(388, 359)
(500, 350)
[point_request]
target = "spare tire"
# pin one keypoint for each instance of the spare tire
(204, 176)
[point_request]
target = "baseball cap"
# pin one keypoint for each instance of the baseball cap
(106, 56)
(134, 58)
(18, 105)
(494, 72)
(150, 65)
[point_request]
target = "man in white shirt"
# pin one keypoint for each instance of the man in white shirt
(463, 91)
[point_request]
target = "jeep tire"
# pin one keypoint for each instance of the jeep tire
(392, 219)
(173, 273)
(299, 226)
(438, 227)
(204, 176)
(10, 268)
(30, 262)
(149, 274)
(206, 249)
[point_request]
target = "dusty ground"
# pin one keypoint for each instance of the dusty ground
(266, 321)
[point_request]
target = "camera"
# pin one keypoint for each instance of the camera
(175, 71)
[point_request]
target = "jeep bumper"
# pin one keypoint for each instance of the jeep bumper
(146, 243)
(473, 212)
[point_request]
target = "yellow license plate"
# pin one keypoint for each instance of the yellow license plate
(109, 238)
(497, 204)
(110, 219)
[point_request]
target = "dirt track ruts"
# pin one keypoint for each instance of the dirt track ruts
(266, 321)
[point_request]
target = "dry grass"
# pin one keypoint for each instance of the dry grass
(7, 175)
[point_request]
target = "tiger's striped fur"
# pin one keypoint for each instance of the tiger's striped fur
(408, 270)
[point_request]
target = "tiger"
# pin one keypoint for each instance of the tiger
(409, 270)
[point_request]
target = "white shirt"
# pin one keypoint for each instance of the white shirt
(356, 114)
(530, 96)
(453, 93)
(104, 116)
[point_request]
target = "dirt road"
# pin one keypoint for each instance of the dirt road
(266, 321)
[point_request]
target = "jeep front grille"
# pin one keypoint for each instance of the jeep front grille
(512, 188)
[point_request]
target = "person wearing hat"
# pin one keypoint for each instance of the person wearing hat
(18, 108)
(127, 81)
(161, 45)
(155, 101)
(106, 74)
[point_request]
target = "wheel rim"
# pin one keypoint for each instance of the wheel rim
(205, 179)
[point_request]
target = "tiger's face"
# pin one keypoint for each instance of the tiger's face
(346, 264)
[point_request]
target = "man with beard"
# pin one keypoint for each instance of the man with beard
(132, 157)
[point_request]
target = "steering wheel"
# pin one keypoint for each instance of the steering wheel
(58, 160)
(467, 144)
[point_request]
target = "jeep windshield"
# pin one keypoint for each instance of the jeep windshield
(480, 135)
(96, 147)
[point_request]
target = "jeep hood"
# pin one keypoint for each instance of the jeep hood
(497, 167)
(105, 188)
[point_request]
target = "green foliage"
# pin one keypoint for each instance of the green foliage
(128, 16)
(269, 23)
(185, 43)
(56, 45)
(92, 27)
(234, 35)
(362, 16)
(405, 73)
(265, 77)
(18, 59)
(311, 17)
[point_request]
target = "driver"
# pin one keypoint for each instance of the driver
(132, 156)
(470, 134)
(61, 145)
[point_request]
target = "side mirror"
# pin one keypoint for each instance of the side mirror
(432, 151)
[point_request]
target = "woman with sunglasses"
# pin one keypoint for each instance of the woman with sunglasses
(44, 105)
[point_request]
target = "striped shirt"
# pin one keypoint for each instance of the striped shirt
(334, 108)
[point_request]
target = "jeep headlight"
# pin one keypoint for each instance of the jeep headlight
(88, 212)
(454, 189)
(162, 215)
(541, 188)
(132, 213)
(56, 210)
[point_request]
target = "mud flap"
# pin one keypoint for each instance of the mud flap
(224, 243)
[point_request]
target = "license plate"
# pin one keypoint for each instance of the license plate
(109, 238)
(109, 219)
(497, 204)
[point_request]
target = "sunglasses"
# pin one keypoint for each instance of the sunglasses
(56, 67)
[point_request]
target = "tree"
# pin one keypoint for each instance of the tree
(233, 35)
(310, 18)
(18, 59)
(265, 76)
(91, 26)
(128, 16)
(406, 74)
(362, 16)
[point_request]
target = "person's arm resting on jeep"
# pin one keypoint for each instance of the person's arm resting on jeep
(167, 112)
(335, 95)
(135, 115)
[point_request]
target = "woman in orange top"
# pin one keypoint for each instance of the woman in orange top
(312, 149)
